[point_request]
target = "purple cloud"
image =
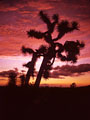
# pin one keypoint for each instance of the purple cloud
(6, 73)
(17, 17)
(68, 70)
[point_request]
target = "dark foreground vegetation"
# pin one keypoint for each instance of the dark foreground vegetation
(18, 103)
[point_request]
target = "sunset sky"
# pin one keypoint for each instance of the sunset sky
(19, 16)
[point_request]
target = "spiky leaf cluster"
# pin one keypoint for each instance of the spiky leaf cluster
(64, 26)
(42, 50)
(36, 34)
(72, 49)
(55, 18)
(27, 50)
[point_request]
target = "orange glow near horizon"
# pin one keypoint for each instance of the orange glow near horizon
(83, 80)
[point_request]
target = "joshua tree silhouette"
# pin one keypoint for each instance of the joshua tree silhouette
(31, 65)
(55, 49)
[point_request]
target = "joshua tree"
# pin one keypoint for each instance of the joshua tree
(55, 49)
(31, 65)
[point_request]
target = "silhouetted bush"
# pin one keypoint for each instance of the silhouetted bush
(12, 78)
(73, 85)
(22, 77)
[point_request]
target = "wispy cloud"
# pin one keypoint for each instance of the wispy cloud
(68, 70)
(6, 73)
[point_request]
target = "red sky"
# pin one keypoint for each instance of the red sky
(19, 16)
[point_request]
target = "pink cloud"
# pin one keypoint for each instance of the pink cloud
(40, 5)
(23, 16)
(70, 70)
(11, 5)
(8, 9)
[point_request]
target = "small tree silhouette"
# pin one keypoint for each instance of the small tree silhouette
(12, 78)
(55, 49)
(22, 77)
(73, 85)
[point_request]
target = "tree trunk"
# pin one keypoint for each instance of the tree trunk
(40, 73)
(30, 69)
(28, 77)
